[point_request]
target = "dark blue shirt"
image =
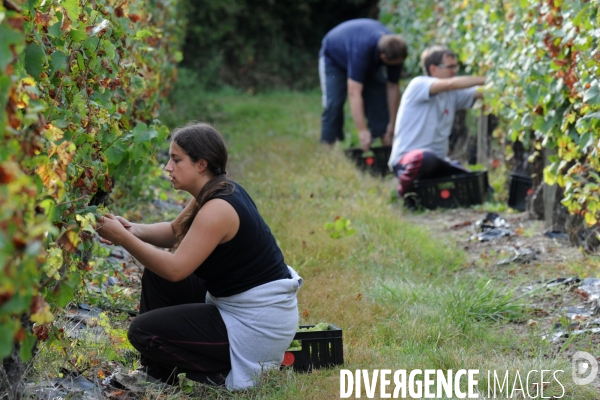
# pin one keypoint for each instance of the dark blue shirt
(352, 47)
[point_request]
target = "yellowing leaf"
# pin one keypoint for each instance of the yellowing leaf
(9, 171)
(560, 180)
(53, 177)
(549, 177)
(43, 316)
(28, 81)
(47, 174)
(72, 8)
(69, 240)
(53, 133)
(590, 219)
(65, 152)
(54, 263)
(87, 222)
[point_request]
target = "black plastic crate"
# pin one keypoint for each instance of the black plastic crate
(520, 186)
(382, 156)
(320, 349)
(462, 190)
(373, 161)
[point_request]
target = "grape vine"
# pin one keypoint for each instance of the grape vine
(542, 61)
(80, 85)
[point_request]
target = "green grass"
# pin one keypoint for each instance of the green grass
(403, 299)
(399, 296)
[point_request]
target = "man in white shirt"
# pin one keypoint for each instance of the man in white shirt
(425, 116)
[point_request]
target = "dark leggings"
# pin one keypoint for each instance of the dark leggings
(422, 164)
(177, 331)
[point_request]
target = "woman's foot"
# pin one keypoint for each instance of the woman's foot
(137, 380)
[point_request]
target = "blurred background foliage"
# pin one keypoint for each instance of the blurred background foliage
(262, 44)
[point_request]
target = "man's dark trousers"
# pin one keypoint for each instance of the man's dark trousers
(334, 85)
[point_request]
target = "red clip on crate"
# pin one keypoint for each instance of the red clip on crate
(320, 349)
(375, 163)
(452, 192)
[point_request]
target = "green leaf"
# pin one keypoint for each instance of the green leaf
(5, 82)
(66, 290)
(115, 154)
(34, 59)
(142, 33)
(592, 95)
(595, 115)
(152, 133)
(26, 350)
(138, 82)
(109, 48)
(533, 94)
(18, 303)
(139, 151)
(586, 140)
(80, 62)
(30, 6)
(58, 60)
(526, 120)
(78, 35)
(60, 123)
(54, 29)
(163, 133)
(141, 133)
(49, 206)
(9, 38)
(7, 334)
(73, 9)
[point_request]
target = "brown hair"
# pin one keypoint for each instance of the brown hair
(202, 141)
(434, 56)
(393, 46)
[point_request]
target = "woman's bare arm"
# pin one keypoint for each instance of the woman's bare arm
(216, 222)
(160, 234)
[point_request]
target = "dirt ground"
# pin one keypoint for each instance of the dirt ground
(547, 275)
(458, 226)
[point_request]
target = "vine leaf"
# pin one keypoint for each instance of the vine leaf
(69, 240)
(72, 8)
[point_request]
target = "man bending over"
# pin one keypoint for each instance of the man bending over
(350, 64)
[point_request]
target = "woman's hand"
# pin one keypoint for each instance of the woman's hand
(111, 228)
(126, 224)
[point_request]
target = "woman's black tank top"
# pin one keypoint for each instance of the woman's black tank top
(250, 259)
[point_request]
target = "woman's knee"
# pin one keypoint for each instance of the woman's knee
(139, 334)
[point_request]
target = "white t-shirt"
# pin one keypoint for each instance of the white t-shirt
(424, 121)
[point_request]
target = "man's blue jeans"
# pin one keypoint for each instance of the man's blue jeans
(334, 86)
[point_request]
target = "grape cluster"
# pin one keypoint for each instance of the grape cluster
(321, 326)
(296, 345)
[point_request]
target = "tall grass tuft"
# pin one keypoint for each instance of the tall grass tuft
(478, 300)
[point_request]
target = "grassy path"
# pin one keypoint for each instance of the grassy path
(403, 300)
